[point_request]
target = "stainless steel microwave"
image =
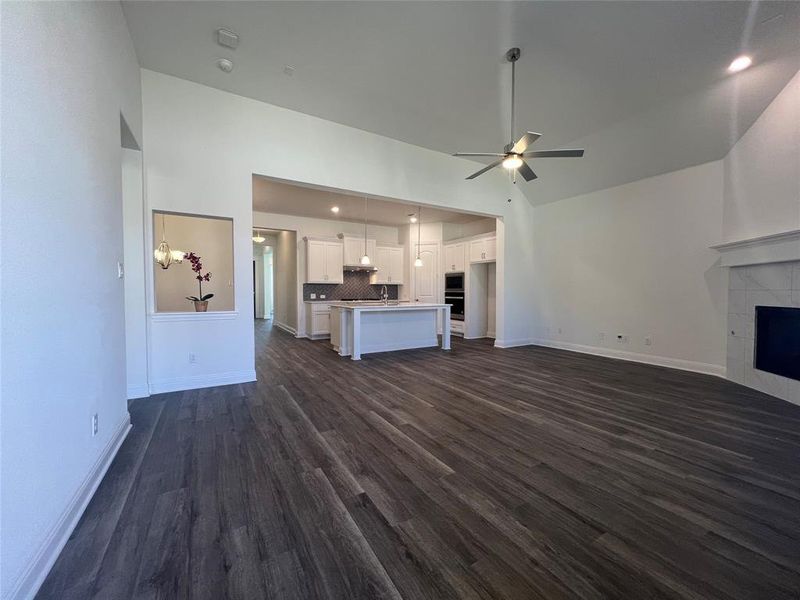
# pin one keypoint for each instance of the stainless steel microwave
(454, 282)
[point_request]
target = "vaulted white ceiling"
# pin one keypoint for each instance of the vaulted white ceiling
(641, 85)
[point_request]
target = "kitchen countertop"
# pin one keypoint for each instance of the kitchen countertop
(377, 305)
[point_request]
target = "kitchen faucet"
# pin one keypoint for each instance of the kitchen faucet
(384, 294)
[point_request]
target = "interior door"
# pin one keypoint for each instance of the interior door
(426, 277)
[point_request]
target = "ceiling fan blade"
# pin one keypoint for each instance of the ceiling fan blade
(486, 168)
(526, 171)
(478, 154)
(577, 153)
(525, 141)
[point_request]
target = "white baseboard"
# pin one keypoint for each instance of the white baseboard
(650, 359)
(514, 343)
(285, 327)
(193, 382)
(29, 582)
(141, 390)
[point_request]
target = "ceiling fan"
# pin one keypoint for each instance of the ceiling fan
(514, 154)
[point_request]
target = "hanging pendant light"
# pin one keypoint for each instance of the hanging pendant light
(258, 238)
(365, 259)
(418, 262)
(163, 254)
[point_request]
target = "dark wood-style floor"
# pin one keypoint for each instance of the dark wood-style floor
(478, 473)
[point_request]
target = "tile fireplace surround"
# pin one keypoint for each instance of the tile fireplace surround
(773, 284)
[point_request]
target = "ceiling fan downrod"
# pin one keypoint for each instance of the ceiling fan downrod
(512, 56)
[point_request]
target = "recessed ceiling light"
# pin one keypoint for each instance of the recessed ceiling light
(335, 209)
(740, 64)
(287, 70)
(224, 65)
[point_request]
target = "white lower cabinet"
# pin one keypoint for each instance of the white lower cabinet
(318, 320)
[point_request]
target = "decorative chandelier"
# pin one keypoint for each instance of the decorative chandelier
(163, 254)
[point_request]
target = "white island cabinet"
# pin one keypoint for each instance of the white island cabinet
(363, 328)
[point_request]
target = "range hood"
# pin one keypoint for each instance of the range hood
(363, 268)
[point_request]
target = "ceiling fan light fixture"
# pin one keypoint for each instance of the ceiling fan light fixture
(512, 162)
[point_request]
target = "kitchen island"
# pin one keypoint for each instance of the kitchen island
(364, 327)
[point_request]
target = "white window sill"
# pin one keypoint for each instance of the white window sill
(225, 315)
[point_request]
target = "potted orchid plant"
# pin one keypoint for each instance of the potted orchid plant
(200, 301)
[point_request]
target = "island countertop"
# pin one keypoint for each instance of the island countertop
(378, 306)
(364, 327)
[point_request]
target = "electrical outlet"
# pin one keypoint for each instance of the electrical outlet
(622, 339)
(192, 358)
(648, 340)
(323, 296)
(95, 425)
(313, 296)
(601, 337)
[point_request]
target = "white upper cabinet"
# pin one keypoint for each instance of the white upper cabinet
(454, 260)
(334, 262)
(389, 260)
(483, 250)
(397, 265)
(324, 261)
(354, 250)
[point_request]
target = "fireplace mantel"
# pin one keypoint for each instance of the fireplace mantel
(776, 247)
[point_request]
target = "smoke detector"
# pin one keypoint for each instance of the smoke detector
(225, 65)
(227, 38)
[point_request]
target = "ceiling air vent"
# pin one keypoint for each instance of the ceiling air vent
(227, 38)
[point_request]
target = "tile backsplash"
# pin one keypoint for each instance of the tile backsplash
(774, 284)
(356, 285)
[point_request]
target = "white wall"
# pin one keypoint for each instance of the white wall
(184, 172)
(269, 278)
(258, 271)
(635, 260)
(285, 263)
(453, 231)
(68, 70)
(762, 172)
(134, 253)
